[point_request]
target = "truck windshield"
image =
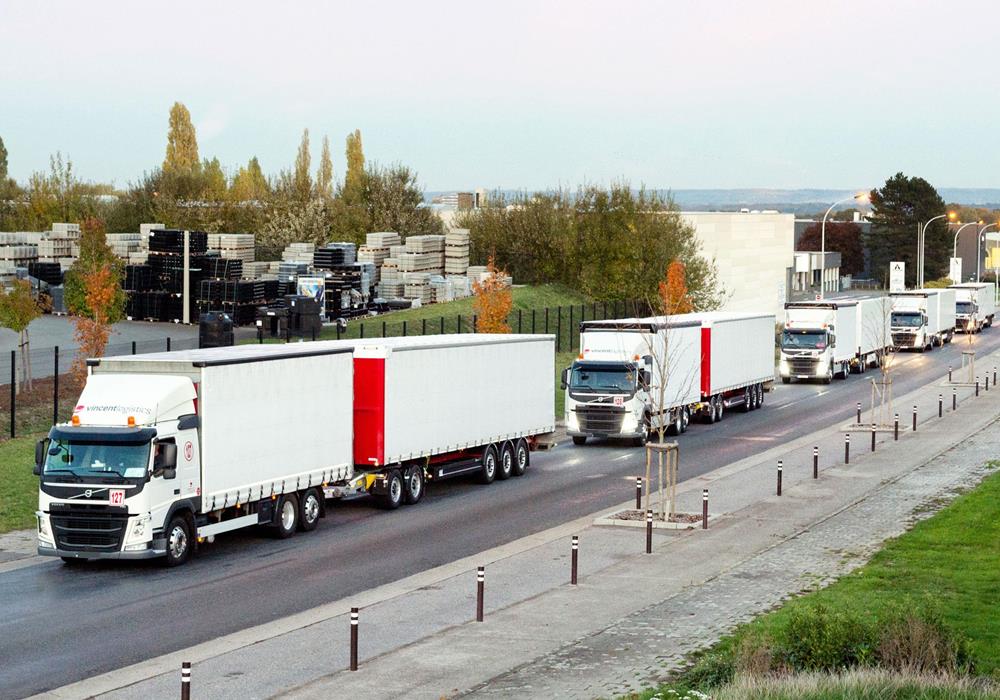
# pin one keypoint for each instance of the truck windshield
(603, 379)
(86, 458)
(907, 319)
(963, 307)
(803, 340)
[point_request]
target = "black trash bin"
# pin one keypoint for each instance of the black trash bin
(215, 330)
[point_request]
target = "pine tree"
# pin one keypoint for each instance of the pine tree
(354, 179)
(301, 179)
(3, 162)
(182, 144)
(324, 176)
(897, 208)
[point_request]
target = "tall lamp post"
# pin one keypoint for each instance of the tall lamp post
(979, 242)
(922, 230)
(861, 198)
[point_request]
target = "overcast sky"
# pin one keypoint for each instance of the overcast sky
(678, 94)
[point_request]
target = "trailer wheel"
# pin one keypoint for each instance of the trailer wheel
(685, 419)
(506, 462)
(489, 470)
(413, 486)
(179, 541)
(711, 415)
(521, 457)
(393, 497)
(286, 517)
(677, 425)
(720, 408)
(579, 439)
(786, 380)
(760, 396)
(748, 399)
(310, 508)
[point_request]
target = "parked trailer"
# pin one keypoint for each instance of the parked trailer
(975, 306)
(874, 332)
(737, 360)
(633, 376)
(168, 450)
(820, 340)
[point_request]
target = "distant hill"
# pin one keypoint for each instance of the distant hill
(799, 201)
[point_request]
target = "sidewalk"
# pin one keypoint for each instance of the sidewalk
(633, 615)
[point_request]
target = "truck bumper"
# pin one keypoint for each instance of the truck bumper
(615, 436)
(150, 553)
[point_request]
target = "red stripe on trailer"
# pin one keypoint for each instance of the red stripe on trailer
(369, 411)
(706, 361)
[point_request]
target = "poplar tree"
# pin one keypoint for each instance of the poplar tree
(182, 144)
(3, 162)
(250, 183)
(301, 179)
(354, 179)
(324, 176)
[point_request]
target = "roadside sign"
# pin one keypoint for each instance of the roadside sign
(897, 276)
(955, 270)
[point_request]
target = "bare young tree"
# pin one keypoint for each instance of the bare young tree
(878, 332)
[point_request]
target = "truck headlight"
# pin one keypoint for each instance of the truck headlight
(139, 528)
(571, 420)
(629, 423)
(44, 533)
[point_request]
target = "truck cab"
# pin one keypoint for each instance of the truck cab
(607, 398)
(818, 340)
(967, 316)
(806, 353)
(111, 479)
(910, 330)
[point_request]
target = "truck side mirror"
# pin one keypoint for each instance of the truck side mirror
(564, 381)
(39, 457)
(646, 377)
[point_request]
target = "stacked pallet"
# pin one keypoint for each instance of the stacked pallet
(256, 270)
(233, 246)
(291, 270)
(417, 286)
(334, 254)
(477, 273)
(48, 272)
(383, 239)
(423, 254)
(298, 253)
(125, 244)
(456, 252)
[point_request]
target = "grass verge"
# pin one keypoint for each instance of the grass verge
(18, 486)
(948, 564)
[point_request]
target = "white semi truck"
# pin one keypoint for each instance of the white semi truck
(975, 306)
(712, 361)
(167, 450)
(923, 318)
(833, 337)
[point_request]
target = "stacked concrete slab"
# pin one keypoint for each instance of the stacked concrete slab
(233, 246)
(456, 252)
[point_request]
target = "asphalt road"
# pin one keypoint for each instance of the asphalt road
(62, 624)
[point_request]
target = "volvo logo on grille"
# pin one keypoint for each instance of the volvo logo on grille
(88, 493)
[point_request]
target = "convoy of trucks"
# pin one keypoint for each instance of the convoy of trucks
(923, 318)
(633, 376)
(168, 450)
(833, 337)
(975, 306)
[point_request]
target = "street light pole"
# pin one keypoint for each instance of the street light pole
(954, 245)
(863, 196)
(920, 249)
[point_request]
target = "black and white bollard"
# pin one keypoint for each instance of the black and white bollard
(480, 591)
(186, 680)
(977, 387)
(859, 413)
(573, 559)
(354, 639)
(638, 493)
(815, 461)
(847, 449)
(949, 373)
(779, 477)
(914, 418)
(649, 532)
(704, 509)
(895, 427)
(954, 398)
(940, 405)
(873, 437)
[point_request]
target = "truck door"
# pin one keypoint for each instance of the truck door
(188, 464)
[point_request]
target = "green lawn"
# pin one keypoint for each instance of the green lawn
(949, 562)
(18, 486)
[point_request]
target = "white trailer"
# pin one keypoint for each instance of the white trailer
(975, 306)
(737, 360)
(820, 339)
(923, 318)
(633, 376)
(874, 332)
(171, 449)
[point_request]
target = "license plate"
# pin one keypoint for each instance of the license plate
(116, 497)
(619, 401)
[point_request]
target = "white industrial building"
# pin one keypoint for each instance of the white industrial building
(753, 253)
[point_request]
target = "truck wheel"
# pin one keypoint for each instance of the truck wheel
(489, 470)
(521, 457)
(720, 408)
(179, 541)
(393, 497)
(748, 397)
(310, 508)
(579, 439)
(786, 380)
(711, 415)
(685, 419)
(413, 486)
(506, 469)
(760, 396)
(286, 517)
(829, 375)
(641, 440)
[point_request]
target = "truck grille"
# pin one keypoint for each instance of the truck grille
(903, 338)
(88, 530)
(802, 365)
(600, 419)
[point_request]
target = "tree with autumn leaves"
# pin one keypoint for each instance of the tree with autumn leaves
(493, 301)
(18, 308)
